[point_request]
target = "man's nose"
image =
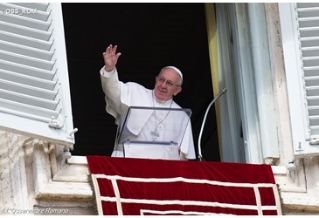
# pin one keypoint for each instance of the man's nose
(164, 84)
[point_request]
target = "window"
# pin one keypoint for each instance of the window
(34, 86)
(300, 47)
(146, 47)
(247, 112)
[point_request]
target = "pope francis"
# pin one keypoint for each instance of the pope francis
(121, 96)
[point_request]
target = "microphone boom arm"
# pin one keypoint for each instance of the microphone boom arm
(204, 120)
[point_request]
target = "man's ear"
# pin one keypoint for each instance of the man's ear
(178, 90)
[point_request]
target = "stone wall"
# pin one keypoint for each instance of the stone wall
(35, 179)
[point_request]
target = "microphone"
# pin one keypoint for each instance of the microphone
(200, 157)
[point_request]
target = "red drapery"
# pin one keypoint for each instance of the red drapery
(182, 187)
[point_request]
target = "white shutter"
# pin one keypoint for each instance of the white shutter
(300, 37)
(34, 86)
(308, 19)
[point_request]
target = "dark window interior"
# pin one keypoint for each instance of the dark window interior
(149, 36)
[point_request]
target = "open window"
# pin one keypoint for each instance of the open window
(247, 111)
(34, 86)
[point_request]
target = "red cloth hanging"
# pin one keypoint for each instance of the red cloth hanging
(175, 196)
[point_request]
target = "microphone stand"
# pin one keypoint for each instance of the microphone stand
(204, 120)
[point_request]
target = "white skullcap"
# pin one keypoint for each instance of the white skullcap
(176, 69)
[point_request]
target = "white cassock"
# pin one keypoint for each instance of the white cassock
(119, 97)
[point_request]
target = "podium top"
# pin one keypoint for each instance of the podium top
(154, 125)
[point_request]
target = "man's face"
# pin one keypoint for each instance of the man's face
(167, 85)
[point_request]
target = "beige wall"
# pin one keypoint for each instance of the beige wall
(35, 180)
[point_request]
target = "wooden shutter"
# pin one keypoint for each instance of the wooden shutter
(34, 86)
(308, 20)
(300, 37)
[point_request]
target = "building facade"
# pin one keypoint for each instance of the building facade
(265, 55)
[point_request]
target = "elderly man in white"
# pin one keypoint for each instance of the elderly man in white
(119, 97)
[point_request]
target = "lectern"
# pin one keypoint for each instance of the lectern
(153, 132)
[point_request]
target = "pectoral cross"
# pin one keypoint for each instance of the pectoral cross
(155, 133)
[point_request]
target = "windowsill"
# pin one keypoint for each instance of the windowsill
(76, 170)
(77, 160)
(71, 182)
(81, 160)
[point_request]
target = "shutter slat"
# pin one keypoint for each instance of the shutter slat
(25, 31)
(24, 60)
(311, 78)
(27, 70)
(29, 100)
(309, 32)
(25, 110)
(312, 71)
(311, 61)
(314, 128)
(314, 111)
(24, 50)
(308, 23)
(315, 97)
(312, 91)
(306, 19)
(27, 80)
(311, 82)
(27, 90)
(311, 46)
(314, 122)
(307, 13)
(308, 29)
(310, 52)
(308, 6)
(26, 41)
(311, 68)
(25, 21)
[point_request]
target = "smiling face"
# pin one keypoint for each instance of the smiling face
(167, 84)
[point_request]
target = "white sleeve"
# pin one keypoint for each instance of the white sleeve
(107, 74)
(112, 89)
(187, 147)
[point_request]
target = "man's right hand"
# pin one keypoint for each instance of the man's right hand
(110, 57)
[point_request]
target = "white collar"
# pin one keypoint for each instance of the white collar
(161, 103)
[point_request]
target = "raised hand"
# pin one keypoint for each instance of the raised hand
(110, 57)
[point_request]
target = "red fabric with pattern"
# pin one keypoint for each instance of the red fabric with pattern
(213, 171)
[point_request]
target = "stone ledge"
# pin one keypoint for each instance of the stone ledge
(298, 203)
(65, 190)
(73, 173)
